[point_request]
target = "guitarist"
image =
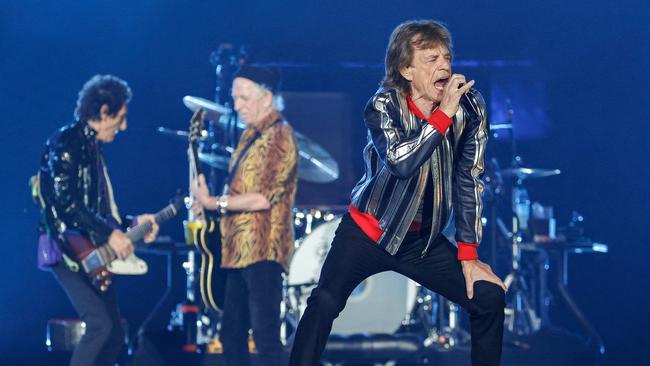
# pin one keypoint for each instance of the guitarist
(74, 190)
(257, 236)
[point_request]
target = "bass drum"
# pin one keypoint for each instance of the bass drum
(378, 305)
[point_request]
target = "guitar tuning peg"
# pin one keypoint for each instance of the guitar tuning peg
(108, 282)
(103, 288)
(104, 273)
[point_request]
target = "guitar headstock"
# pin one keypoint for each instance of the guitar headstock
(196, 126)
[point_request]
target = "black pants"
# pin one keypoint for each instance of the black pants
(252, 300)
(354, 257)
(104, 337)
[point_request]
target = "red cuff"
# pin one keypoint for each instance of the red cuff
(467, 251)
(366, 222)
(438, 119)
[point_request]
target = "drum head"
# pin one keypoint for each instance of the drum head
(308, 259)
(377, 305)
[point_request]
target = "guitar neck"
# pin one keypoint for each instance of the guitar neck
(141, 230)
(196, 124)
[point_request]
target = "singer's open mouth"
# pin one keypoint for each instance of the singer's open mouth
(440, 83)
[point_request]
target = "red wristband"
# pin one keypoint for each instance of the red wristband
(467, 251)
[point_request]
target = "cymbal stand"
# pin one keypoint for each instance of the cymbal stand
(187, 312)
(521, 318)
(289, 311)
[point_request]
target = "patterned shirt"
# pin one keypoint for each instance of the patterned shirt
(268, 167)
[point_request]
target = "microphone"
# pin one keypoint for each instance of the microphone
(465, 97)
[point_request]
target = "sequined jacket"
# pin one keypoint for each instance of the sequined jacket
(404, 152)
(69, 180)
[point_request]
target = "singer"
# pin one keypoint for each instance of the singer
(417, 209)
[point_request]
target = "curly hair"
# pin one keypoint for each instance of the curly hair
(420, 34)
(100, 90)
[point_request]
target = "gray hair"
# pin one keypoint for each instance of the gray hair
(278, 100)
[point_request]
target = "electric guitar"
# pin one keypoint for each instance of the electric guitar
(205, 234)
(95, 260)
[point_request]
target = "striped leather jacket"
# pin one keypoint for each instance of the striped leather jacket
(404, 152)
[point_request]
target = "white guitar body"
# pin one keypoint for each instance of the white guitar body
(131, 265)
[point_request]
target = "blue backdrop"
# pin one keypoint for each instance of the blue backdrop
(588, 86)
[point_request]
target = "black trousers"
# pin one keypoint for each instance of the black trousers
(104, 337)
(252, 300)
(354, 257)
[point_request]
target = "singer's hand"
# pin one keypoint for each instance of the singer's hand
(476, 270)
(455, 88)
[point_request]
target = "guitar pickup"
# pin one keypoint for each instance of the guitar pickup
(93, 261)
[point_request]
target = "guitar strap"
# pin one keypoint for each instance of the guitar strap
(106, 190)
(241, 156)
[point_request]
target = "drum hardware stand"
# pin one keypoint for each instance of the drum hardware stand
(289, 314)
(422, 312)
(543, 295)
(521, 318)
(447, 333)
(439, 319)
(195, 325)
(186, 315)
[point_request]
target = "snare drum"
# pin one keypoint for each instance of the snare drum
(378, 305)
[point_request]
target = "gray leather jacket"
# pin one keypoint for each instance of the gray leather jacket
(404, 152)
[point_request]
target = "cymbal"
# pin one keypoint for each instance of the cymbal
(315, 164)
(527, 173)
(213, 110)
